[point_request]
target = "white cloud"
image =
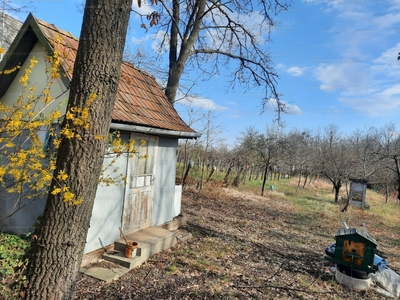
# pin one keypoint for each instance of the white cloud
(280, 66)
(336, 4)
(375, 105)
(200, 102)
(343, 77)
(367, 78)
(158, 41)
(144, 9)
(295, 71)
(392, 91)
(361, 25)
(371, 88)
(387, 64)
(291, 109)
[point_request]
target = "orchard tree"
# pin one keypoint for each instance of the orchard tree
(365, 145)
(389, 152)
(193, 118)
(59, 242)
(334, 160)
(265, 148)
(210, 133)
(246, 146)
(298, 156)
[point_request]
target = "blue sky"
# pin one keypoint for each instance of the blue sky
(336, 60)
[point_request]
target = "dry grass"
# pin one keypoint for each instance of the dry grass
(245, 246)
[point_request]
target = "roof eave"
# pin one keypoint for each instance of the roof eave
(156, 131)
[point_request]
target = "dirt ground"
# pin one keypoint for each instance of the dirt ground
(243, 247)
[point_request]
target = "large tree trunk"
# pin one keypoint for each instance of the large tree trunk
(336, 187)
(265, 176)
(228, 172)
(236, 181)
(59, 243)
(396, 161)
(299, 180)
(178, 58)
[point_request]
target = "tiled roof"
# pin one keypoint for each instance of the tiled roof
(10, 27)
(140, 100)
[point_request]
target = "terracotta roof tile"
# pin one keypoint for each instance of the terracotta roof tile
(140, 100)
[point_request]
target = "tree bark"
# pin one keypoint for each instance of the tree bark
(236, 181)
(265, 176)
(396, 161)
(178, 59)
(336, 187)
(59, 243)
(211, 173)
(228, 172)
(299, 181)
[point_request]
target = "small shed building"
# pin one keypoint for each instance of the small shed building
(141, 112)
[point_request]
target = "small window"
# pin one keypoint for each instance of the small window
(142, 163)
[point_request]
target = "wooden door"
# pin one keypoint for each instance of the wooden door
(138, 205)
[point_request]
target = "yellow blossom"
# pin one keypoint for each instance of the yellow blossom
(55, 114)
(92, 97)
(56, 191)
(62, 175)
(56, 143)
(68, 133)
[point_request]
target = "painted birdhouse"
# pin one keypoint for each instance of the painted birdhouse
(355, 249)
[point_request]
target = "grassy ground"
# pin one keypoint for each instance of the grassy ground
(249, 247)
(244, 246)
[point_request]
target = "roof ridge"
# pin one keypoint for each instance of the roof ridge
(132, 65)
(55, 28)
(70, 35)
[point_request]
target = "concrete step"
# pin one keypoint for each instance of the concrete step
(182, 237)
(150, 241)
(119, 258)
(176, 223)
(105, 274)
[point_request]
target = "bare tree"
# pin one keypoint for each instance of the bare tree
(298, 154)
(335, 160)
(389, 152)
(205, 35)
(210, 136)
(264, 148)
(364, 146)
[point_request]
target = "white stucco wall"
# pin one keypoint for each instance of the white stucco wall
(23, 220)
(38, 80)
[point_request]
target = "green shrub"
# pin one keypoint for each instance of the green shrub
(12, 263)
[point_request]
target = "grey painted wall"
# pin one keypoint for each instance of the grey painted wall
(108, 207)
(23, 220)
(164, 189)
